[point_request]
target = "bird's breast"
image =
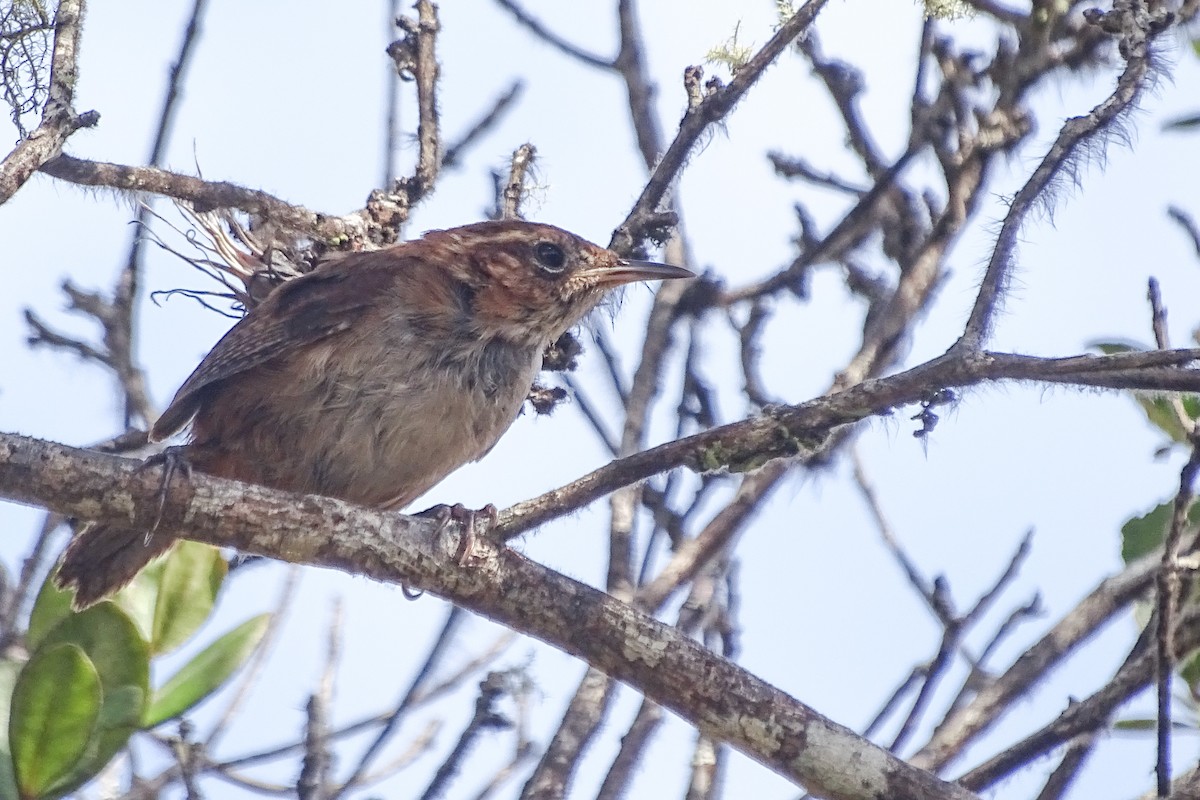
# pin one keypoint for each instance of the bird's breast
(377, 425)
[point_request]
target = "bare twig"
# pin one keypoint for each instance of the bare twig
(697, 120)
(257, 660)
(1088, 715)
(915, 579)
(552, 776)
(455, 151)
(486, 717)
(391, 117)
(1158, 322)
(416, 54)
(514, 188)
(530, 23)
(449, 629)
(628, 759)
(1068, 767)
(119, 322)
(313, 783)
(1167, 610)
(1188, 224)
(59, 119)
(1138, 26)
(968, 723)
(204, 194)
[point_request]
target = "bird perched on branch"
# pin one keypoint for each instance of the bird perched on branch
(375, 375)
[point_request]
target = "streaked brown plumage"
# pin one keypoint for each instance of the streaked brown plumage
(376, 375)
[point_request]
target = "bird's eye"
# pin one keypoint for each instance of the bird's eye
(550, 256)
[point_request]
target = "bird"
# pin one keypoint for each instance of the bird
(375, 375)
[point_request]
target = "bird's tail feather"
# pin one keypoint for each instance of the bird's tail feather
(103, 558)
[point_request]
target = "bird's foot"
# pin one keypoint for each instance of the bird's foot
(474, 521)
(173, 459)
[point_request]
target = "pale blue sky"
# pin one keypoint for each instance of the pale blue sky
(284, 97)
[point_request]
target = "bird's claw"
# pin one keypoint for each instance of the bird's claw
(469, 518)
(173, 459)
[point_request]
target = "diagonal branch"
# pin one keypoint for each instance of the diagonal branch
(531, 24)
(721, 699)
(799, 430)
(714, 107)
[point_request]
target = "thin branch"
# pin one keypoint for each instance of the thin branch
(31, 567)
(590, 413)
(391, 117)
(203, 194)
(844, 84)
(1078, 134)
(313, 783)
(582, 719)
(486, 717)
(531, 24)
(423, 696)
(640, 90)
(845, 235)
(968, 723)
(1158, 323)
(893, 702)
(119, 332)
(628, 760)
(787, 431)
(794, 167)
(257, 660)
(1169, 586)
(907, 566)
(421, 61)
(455, 151)
(713, 108)
(449, 630)
(514, 190)
(1188, 224)
(59, 119)
(1060, 780)
(1088, 715)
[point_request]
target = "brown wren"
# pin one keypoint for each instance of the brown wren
(375, 375)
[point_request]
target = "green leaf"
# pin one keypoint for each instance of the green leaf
(1139, 725)
(1111, 348)
(50, 607)
(1149, 724)
(55, 704)
(1142, 535)
(8, 679)
(205, 673)
(191, 577)
(121, 658)
(1189, 670)
(138, 597)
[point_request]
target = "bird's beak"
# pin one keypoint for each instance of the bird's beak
(626, 271)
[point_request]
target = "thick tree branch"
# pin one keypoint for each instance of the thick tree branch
(721, 699)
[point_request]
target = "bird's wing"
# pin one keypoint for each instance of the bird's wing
(301, 311)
